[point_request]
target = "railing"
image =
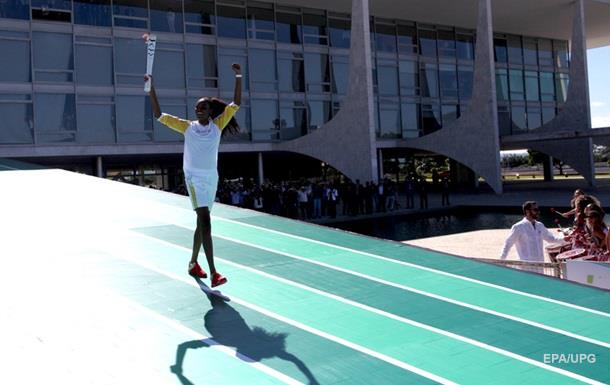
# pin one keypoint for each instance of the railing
(547, 268)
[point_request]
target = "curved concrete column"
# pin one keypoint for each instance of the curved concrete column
(347, 142)
(575, 114)
(473, 139)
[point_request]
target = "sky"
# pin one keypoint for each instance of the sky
(598, 61)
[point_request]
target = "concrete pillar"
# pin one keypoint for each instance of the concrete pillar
(473, 139)
(261, 176)
(141, 175)
(348, 141)
(575, 115)
(99, 167)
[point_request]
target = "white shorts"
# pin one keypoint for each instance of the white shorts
(201, 188)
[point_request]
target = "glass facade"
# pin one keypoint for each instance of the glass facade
(295, 61)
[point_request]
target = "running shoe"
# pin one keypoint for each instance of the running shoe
(196, 271)
(218, 279)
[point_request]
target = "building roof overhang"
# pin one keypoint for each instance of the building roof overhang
(539, 18)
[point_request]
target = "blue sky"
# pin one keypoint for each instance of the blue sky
(599, 86)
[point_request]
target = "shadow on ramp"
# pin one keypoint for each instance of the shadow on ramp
(227, 327)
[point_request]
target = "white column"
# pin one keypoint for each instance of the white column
(99, 167)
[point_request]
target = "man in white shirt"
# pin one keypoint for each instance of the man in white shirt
(527, 235)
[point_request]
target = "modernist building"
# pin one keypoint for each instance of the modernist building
(342, 81)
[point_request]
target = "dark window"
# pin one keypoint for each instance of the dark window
(166, 16)
(502, 84)
(429, 80)
(465, 47)
(15, 9)
(340, 68)
(265, 120)
(385, 37)
(545, 53)
(199, 16)
(317, 73)
(562, 82)
(449, 112)
(231, 22)
(339, 33)
(431, 118)
(446, 44)
(515, 53)
(53, 57)
(547, 87)
(291, 72)
(518, 118)
(17, 123)
(262, 70)
(319, 113)
(94, 62)
(52, 10)
(129, 60)
(409, 78)
(130, 13)
(530, 52)
(93, 12)
(387, 78)
(314, 28)
(534, 117)
(531, 86)
(407, 39)
(389, 119)
(55, 118)
(288, 27)
(561, 54)
(202, 69)
(448, 81)
(501, 50)
(16, 66)
(516, 85)
(427, 42)
(260, 23)
(226, 57)
(465, 81)
(293, 120)
(410, 120)
(95, 118)
(169, 65)
(133, 119)
(504, 122)
(548, 113)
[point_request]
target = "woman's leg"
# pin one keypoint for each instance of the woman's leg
(204, 225)
(196, 242)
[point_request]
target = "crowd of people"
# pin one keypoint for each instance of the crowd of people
(585, 239)
(317, 199)
(588, 233)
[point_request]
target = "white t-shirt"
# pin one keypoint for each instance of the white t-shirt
(528, 240)
(201, 142)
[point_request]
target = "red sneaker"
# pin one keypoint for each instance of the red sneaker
(218, 279)
(196, 271)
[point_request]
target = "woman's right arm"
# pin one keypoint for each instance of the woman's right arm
(156, 108)
(176, 124)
